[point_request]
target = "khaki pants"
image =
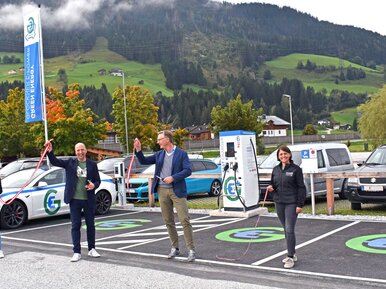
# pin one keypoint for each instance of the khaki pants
(167, 199)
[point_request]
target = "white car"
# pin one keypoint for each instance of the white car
(43, 196)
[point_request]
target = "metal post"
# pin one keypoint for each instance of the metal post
(124, 108)
(290, 108)
(312, 193)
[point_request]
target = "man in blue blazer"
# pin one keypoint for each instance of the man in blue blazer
(172, 166)
(82, 179)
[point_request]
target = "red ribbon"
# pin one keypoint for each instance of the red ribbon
(27, 182)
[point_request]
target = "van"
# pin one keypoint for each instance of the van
(331, 157)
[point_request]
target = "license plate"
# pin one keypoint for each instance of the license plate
(372, 188)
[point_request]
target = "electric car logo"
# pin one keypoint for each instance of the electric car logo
(230, 189)
(370, 244)
(51, 206)
(252, 235)
(119, 224)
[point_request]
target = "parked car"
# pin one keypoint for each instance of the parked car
(138, 187)
(107, 165)
(43, 196)
(331, 157)
(369, 190)
(24, 164)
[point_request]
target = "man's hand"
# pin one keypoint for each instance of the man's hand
(168, 180)
(48, 144)
(90, 186)
(137, 145)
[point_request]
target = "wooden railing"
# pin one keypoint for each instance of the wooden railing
(330, 209)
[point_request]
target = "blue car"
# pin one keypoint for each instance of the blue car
(138, 187)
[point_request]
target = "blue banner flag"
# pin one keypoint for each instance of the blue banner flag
(32, 73)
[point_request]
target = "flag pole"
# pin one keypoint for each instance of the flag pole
(42, 83)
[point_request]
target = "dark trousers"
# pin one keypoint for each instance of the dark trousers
(76, 208)
(287, 216)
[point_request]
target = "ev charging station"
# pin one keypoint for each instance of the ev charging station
(119, 174)
(238, 166)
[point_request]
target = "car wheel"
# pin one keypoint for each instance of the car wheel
(356, 206)
(342, 194)
(215, 188)
(103, 202)
(13, 215)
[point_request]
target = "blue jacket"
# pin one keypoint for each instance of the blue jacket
(180, 169)
(71, 177)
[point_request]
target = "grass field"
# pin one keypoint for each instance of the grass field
(86, 73)
(286, 67)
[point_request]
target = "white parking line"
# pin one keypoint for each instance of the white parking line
(61, 224)
(262, 261)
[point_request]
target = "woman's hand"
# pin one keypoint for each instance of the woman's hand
(299, 210)
(270, 189)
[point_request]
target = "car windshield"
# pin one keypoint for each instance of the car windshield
(149, 170)
(271, 161)
(108, 164)
(18, 179)
(378, 157)
(10, 168)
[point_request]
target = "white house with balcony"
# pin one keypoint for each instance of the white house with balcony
(274, 126)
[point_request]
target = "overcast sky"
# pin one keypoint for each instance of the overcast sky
(367, 14)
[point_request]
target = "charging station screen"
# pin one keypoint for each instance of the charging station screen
(230, 150)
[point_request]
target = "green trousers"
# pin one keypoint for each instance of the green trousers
(167, 200)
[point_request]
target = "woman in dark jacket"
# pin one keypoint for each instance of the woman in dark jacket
(288, 185)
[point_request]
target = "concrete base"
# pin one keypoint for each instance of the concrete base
(125, 206)
(238, 214)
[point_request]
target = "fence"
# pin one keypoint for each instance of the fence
(330, 209)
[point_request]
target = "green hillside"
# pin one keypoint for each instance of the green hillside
(345, 115)
(83, 69)
(286, 67)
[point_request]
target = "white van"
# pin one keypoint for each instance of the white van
(332, 157)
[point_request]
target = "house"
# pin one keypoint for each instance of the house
(324, 122)
(274, 126)
(199, 132)
(116, 72)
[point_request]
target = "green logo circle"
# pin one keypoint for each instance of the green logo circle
(230, 189)
(118, 224)
(252, 235)
(369, 244)
(51, 206)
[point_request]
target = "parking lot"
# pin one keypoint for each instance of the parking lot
(343, 250)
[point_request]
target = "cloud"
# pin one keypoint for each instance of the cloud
(71, 14)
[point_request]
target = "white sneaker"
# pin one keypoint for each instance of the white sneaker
(289, 263)
(93, 253)
(76, 257)
(1, 254)
(295, 259)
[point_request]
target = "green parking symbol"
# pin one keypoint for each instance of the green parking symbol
(253, 235)
(119, 224)
(370, 244)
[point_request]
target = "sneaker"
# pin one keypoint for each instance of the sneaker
(76, 257)
(289, 263)
(191, 256)
(1, 254)
(295, 259)
(174, 252)
(93, 253)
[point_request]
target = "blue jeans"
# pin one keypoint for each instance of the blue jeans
(287, 216)
(76, 207)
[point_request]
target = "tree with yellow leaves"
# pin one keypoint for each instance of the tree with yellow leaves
(372, 123)
(141, 113)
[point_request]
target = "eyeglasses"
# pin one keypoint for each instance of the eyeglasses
(158, 140)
